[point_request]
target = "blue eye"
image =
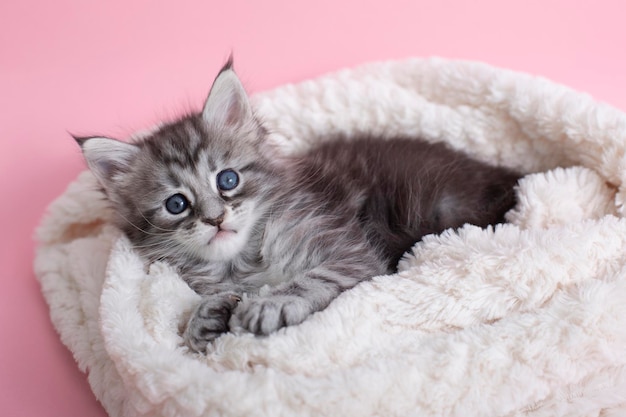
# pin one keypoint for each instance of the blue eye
(227, 180)
(176, 204)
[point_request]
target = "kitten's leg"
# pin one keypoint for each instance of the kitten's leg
(209, 320)
(291, 303)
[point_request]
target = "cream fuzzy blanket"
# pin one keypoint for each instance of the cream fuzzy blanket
(526, 319)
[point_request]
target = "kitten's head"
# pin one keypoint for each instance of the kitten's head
(194, 189)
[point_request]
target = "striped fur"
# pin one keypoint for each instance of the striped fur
(294, 233)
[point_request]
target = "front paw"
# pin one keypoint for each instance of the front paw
(209, 320)
(264, 315)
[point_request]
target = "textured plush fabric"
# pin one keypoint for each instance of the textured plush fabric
(524, 319)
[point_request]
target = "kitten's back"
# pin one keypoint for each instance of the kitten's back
(402, 189)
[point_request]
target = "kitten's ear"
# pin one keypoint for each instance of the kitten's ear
(107, 158)
(227, 104)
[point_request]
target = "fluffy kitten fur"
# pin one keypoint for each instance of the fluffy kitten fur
(292, 233)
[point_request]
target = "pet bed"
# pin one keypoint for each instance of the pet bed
(527, 318)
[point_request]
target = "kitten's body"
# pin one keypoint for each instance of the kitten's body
(304, 228)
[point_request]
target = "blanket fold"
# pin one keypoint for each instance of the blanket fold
(522, 319)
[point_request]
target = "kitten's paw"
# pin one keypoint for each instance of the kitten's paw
(264, 315)
(209, 320)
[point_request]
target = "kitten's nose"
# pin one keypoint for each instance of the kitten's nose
(214, 221)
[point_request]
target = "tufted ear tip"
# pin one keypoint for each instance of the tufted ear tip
(80, 140)
(227, 104)
(229, 65)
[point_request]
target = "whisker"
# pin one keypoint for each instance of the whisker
(142, 230)
(150, 223)
(152, 245)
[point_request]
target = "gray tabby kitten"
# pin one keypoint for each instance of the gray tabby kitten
(208, 195)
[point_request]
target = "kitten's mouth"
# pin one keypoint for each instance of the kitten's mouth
(223, 233)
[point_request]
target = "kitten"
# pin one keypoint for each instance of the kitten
(207, 194)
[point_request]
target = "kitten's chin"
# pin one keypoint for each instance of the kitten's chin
(224, 246)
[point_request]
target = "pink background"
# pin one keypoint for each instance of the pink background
(116, 66)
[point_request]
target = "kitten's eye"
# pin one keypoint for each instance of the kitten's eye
(227, 180)
(176, 204)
